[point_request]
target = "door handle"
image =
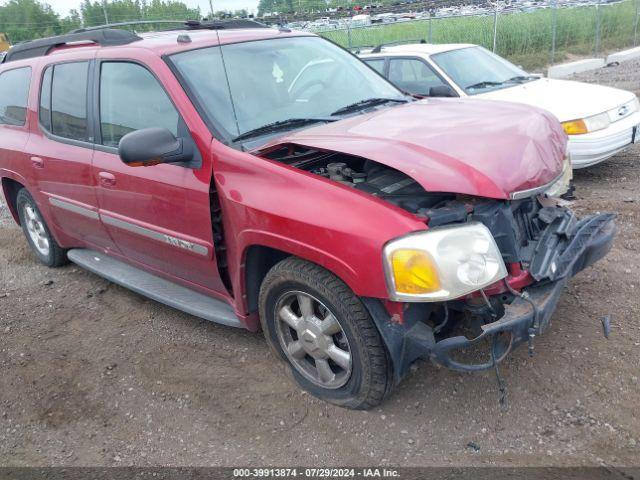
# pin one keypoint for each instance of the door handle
(107, 179)
(37, 162)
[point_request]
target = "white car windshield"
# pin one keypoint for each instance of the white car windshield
(477, 70)
(245, 87)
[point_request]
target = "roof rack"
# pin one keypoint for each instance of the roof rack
(184, 25)
(38, 48)
(379, 48)
(110, 35)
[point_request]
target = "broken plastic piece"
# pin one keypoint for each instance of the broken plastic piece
(606, 325)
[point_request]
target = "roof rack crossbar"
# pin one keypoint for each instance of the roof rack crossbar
(41, 47)
(127, 24)
(225, 24)
(379, 48)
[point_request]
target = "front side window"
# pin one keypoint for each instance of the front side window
(132, 99)
(69, 101)
(377, 64)
(477, 70)
(14, 94)
(413, 75)
(277, 80)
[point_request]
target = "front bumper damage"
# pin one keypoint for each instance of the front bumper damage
(564, 250)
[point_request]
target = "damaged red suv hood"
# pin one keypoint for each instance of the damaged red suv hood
(467, 146)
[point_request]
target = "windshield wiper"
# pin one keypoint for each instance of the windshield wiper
(484, 84)
(281, 125)
(369, 102)
(522, 78)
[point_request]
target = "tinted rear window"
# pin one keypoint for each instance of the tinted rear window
(14, 93)
(45, 99)
(69, 101)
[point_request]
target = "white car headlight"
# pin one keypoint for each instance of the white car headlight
(597, 122)
(442, 264)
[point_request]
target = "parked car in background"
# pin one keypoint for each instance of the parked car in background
(263, 178)
(363, 20)
(600, 121)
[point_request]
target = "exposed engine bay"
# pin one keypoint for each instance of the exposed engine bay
(516, 225)
(379, 180)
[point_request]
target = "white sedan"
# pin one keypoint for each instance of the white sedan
(600, 121)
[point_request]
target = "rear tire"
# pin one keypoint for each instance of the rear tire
(324, 334)
(37, 232)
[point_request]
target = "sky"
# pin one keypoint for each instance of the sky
(63, 6)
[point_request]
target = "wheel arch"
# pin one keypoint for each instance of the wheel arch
(258, 260)
(10, 188)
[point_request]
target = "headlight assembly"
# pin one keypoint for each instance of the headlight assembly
(562, 184)
(587, 125)
(442, 264)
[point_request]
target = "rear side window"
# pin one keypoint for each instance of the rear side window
(63, 101)
(14, 93)
(131, 99)
(44, 114)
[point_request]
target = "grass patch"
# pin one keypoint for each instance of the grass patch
(525, 38)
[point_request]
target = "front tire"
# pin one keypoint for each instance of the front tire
(325, 335)
(38, 235)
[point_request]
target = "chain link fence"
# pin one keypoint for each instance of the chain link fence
(551, 33)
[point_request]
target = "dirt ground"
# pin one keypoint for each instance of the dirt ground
(95, 375)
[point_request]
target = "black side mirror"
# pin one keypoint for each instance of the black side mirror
(151, 146)
(442, 91)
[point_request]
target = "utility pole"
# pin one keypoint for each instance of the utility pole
(104, 10)
(211, 9)
(495, 27)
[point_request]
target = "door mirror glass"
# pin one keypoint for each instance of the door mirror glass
(442, 91)
(151, 146)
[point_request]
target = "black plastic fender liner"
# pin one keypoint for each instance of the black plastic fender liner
(568, 245)
(519, 317)
(592, 241)
(405, 342)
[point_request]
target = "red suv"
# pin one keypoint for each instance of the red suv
(262, 178)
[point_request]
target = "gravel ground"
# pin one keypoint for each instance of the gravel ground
(95, 375)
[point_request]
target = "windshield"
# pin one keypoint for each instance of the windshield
(477, 70)
(271, 81)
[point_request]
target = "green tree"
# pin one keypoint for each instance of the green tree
(26, 19)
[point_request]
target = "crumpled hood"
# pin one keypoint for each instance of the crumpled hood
(566, 99)
(466, 146)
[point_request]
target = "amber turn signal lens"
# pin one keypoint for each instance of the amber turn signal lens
(575, 127)
(413, 272)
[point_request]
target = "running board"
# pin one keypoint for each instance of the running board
(156, 288)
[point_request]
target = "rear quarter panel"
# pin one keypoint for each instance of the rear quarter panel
(14, 163)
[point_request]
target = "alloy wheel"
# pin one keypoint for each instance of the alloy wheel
(36, 230)
(313, 340)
